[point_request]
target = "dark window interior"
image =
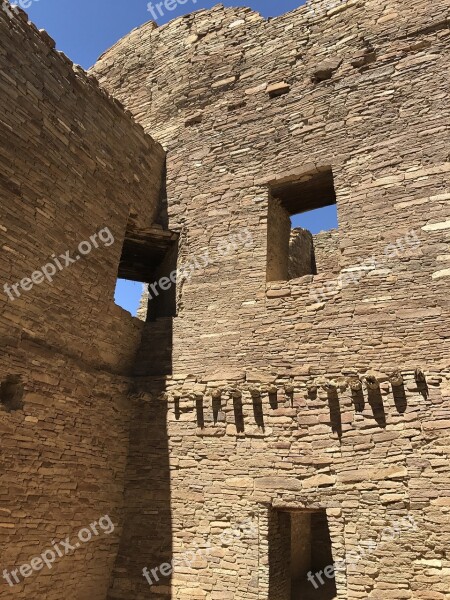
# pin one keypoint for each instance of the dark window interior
(11, 393)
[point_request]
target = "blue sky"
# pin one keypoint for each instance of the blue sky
(84, 29)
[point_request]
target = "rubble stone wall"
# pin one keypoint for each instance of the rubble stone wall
(71, 164)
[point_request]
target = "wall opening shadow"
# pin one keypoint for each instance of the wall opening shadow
(421, 382)
(300, 546)
(177, 408)
(216, 408)
(335, 412)
(273, 400)
(321, 557)
(11, 393)
(200, 410)
(359, 402)
(375, 400)
(238, 414)
(422, 386)
(258, 411)
(400, 400)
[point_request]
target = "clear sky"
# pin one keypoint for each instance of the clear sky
(84, 29)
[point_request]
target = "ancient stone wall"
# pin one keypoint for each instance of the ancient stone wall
(327, 251)
(72, 163)
(301, 254)
(264, 408)
(278, 243)
(243, 138)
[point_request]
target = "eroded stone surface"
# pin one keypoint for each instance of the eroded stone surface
(258, 396)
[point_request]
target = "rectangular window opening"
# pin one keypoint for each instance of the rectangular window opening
(146, 284)
(299, 208)
(11, 393)
(300, 556)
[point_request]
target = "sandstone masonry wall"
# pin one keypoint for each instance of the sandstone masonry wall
(327, 251)
(71, 163)
(219, 165)
(301, 253)
(253, 422)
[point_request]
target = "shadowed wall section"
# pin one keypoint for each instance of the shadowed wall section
(147, 536)
(72, 163)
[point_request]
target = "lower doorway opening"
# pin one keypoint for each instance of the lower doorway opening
(301, 539)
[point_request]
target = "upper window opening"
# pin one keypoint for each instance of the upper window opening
(299, 208)
(147, 256)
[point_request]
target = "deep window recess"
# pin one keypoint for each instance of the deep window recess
(150, 257)
(298, 208)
